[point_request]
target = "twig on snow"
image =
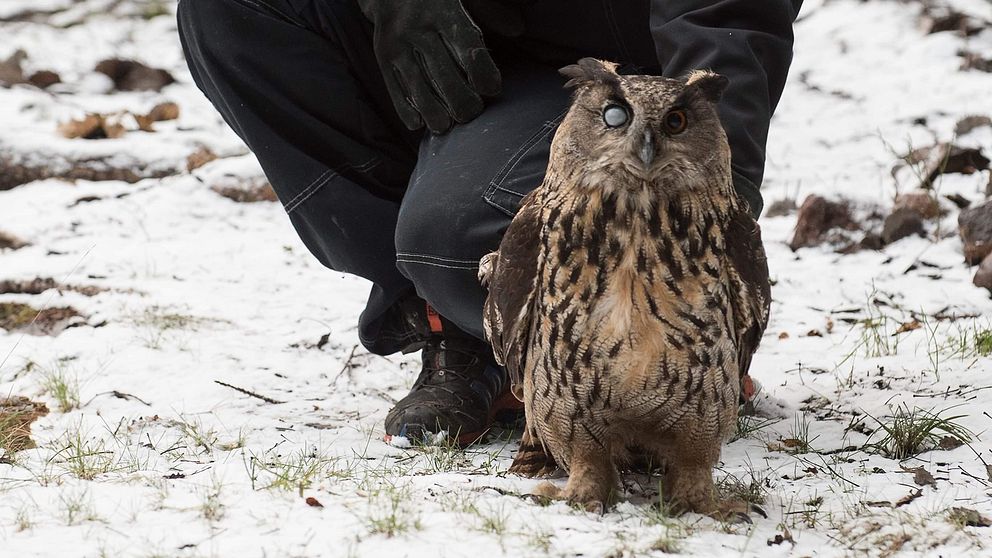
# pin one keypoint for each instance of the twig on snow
(250, 393)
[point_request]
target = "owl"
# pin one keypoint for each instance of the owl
(630, 292)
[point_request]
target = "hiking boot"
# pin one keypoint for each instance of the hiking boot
(460, 391)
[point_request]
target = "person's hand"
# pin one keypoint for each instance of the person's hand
(433, 60)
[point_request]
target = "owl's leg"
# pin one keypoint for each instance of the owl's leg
(533, 459)
(592, 478)
(688, 485)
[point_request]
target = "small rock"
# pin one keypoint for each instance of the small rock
(780, 208)
(10, 69)
(130, 75)
(969, 123)
(943, 158)
(975, 228)
(901, 223)
(871, 241)
(817, 216)
(44, 79)
(983, 278)
(925, 205)
(953, 159)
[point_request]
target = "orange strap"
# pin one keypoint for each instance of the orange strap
(434, 319)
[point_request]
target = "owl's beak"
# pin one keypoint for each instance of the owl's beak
(647, 149)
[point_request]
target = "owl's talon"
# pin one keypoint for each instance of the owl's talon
(736, 512)
(539, 499)
(486, 268)
(548, 491)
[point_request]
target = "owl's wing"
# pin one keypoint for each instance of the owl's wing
(753, 301)
(512, 283)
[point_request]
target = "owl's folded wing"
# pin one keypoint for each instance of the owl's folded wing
(752, 302)
(512, 285)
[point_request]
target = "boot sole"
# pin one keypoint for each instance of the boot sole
(505, 409)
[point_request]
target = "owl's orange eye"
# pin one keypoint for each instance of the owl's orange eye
(676, 122)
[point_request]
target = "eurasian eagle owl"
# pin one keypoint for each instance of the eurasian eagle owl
(631, 290)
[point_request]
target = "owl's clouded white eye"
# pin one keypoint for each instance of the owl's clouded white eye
(615, 116)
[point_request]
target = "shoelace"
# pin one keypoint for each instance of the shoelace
(433, 370)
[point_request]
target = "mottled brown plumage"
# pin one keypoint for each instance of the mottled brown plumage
(631, 290)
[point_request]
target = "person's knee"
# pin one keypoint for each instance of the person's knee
(439, 233)
(439, 242)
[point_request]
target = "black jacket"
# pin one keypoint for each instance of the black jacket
(748, 41)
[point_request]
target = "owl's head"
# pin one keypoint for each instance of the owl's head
(646, 127)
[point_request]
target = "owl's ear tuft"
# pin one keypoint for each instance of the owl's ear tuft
(589, 71)
(710, 84)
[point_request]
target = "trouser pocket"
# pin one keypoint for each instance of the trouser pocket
(524, 170)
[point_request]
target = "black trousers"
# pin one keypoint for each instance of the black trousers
(297, 80)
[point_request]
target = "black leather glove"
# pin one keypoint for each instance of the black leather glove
(433, 60)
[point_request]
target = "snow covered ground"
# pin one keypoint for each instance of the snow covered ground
(145, 454)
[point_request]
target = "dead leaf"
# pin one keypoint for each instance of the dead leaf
(879, 504)
(908, 326)
(783, 335)
(47, 321)
(313, 502)
(786, 536)
(144, 122)
(909, 497)
(16, 416)
(830, 325)
(250, 191)
(200, 157)
(9, 241)
(814, 333)
(164, 111)
(93, 126)
(968, 517)
(988, 471)
(948, 443)
(921, 476)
